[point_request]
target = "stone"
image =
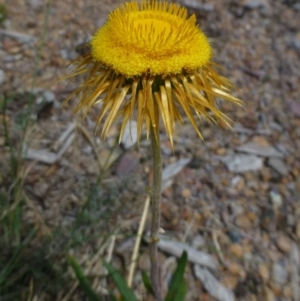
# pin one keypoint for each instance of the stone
(144, 262)
(186, 193)
(238, 183)
(230, 282)
(129, 137)
(298, 229)
(278, 165)
(260, 140)
(284, 244)
(260, 150)
(243, 221)
(236, 250)
(263, 271)
(48, 96)
(269, 295)
(2, 77)
(198, 241)
(235, 236)
(276, 199)
(242, 162)
(212, 285)
(198, 257)
(253, 4)
(279, 274)
(236, 269)
(174, 168)
(295, 41)
(221, 151)
(128, 164)
(194, 4)
(288, 291)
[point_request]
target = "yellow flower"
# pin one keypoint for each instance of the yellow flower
(152, 59)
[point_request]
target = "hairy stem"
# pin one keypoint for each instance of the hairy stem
(155, 204)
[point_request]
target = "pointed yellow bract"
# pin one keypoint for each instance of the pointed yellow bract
(151, 59)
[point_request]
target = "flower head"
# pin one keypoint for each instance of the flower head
(152, 59)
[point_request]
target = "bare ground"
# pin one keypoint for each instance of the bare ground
(236, 199)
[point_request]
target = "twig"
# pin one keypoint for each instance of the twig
(30, 204)
(217, 245)
(17, 35)
(64, 136)
(90, 140)
(189, 228)
(90, 265)
(111, 248)
(30, 290)
(137, 242)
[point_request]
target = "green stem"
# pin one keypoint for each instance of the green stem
(155, 223)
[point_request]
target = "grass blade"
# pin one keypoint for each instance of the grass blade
(147, 283)
(112, 296)
(181, 292)
(12, 263)
(178, 287)
(83, 281)
(120, 282)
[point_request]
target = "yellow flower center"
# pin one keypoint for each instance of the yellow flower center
(154, 38)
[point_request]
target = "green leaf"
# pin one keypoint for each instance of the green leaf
(120, 282)
(112, 296)
(177, 288)
(147, 283)
(182, 290)
(83, 281)
(14, 261)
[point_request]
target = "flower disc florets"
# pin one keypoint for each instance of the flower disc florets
(151, 59)
(154, 38)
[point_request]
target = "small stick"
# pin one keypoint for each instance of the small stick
(138, 242)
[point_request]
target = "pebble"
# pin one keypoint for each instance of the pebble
(236, 209)
(298, 229)
(128, 164)
(236, 269)
(174, 168)
(253, 4)
(276, 199)
(221, 151)
(260, 150)
(238, 183)
(236, 250)
(198, 241)
(243, 221)
(2, 77)
(144, 262)
(288, 291)
(269, 295)
(212, 285)
(186, 193)
(129, 137)
(242, 162)
(284, 244)
(295, 41)
(230, 281)
(195, 256)
(194, 4)
(46, 98)
(235, 236)
(263, 271)
(278, 165)
(279, 274)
